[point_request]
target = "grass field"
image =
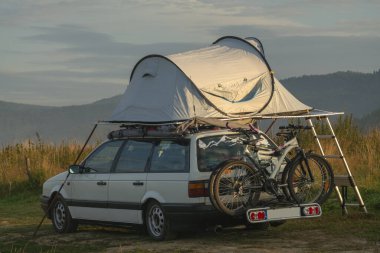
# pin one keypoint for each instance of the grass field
(20, 214)
(23, 168)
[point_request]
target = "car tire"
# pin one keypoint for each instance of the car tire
(61, 217)
(157, 223)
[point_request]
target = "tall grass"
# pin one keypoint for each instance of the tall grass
(361, 150)
(28, 164)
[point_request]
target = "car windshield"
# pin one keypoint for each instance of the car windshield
(214, 150)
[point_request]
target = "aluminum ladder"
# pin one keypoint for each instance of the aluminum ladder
(343, 181)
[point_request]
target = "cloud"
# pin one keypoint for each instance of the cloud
(70, 35)
(80, 39)
(46, 90)
(83, 52)
(76, 45)
(302, 55)
(83, 62)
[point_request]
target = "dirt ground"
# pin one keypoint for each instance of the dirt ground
(238, 239)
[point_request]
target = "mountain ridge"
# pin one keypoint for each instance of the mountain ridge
(357, 92)
(348, 91)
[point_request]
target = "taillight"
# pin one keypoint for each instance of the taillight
(313, 210)
(198, 189)
(259, 215)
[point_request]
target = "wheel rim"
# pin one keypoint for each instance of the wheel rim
(156, 221)
(59, 215)
(234, 188)
(307, 190)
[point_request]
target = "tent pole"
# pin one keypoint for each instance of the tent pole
(64, 182)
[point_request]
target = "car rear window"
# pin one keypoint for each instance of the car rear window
(170, 156)
(213, 150)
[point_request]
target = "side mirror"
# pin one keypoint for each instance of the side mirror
(75, 169)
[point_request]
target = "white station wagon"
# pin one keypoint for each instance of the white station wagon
(160, 182)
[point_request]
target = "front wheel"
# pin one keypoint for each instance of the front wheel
(61, 217)
(310, 180)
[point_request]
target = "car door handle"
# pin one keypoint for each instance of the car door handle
(138, 183)
(101, 183)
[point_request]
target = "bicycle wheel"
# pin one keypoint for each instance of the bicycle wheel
(236, 186)
(313, 184)
(284, 179)
(211, 187)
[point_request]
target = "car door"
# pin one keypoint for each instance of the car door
(127, 182)
(169, 172)
(89, 194)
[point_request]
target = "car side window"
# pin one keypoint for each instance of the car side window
(134, 156)
(100, 161)
(170, 156)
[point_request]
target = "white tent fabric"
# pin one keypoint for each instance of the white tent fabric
(229, 79)
(283, 102)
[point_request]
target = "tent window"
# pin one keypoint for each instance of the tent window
(147, 75)
(253, 93)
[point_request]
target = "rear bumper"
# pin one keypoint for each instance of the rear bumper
(265, 214)
(196, 216)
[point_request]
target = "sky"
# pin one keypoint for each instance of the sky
(69, 52)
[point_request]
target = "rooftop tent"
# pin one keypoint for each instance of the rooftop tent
(229, 79)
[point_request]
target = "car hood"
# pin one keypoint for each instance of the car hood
(60, 177)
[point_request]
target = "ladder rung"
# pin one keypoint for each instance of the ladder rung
(325, 136)
(344, 180)
(333, 156)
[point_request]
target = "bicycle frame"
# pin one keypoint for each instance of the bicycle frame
(283, 150)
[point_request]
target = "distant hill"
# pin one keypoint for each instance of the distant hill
(371, 120)
(20, 121)
(351, 92)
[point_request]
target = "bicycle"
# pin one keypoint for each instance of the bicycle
(237, 184)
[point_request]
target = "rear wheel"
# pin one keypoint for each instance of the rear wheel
(61, 217)
(211, 187)
(236, 187)
(310, 180)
